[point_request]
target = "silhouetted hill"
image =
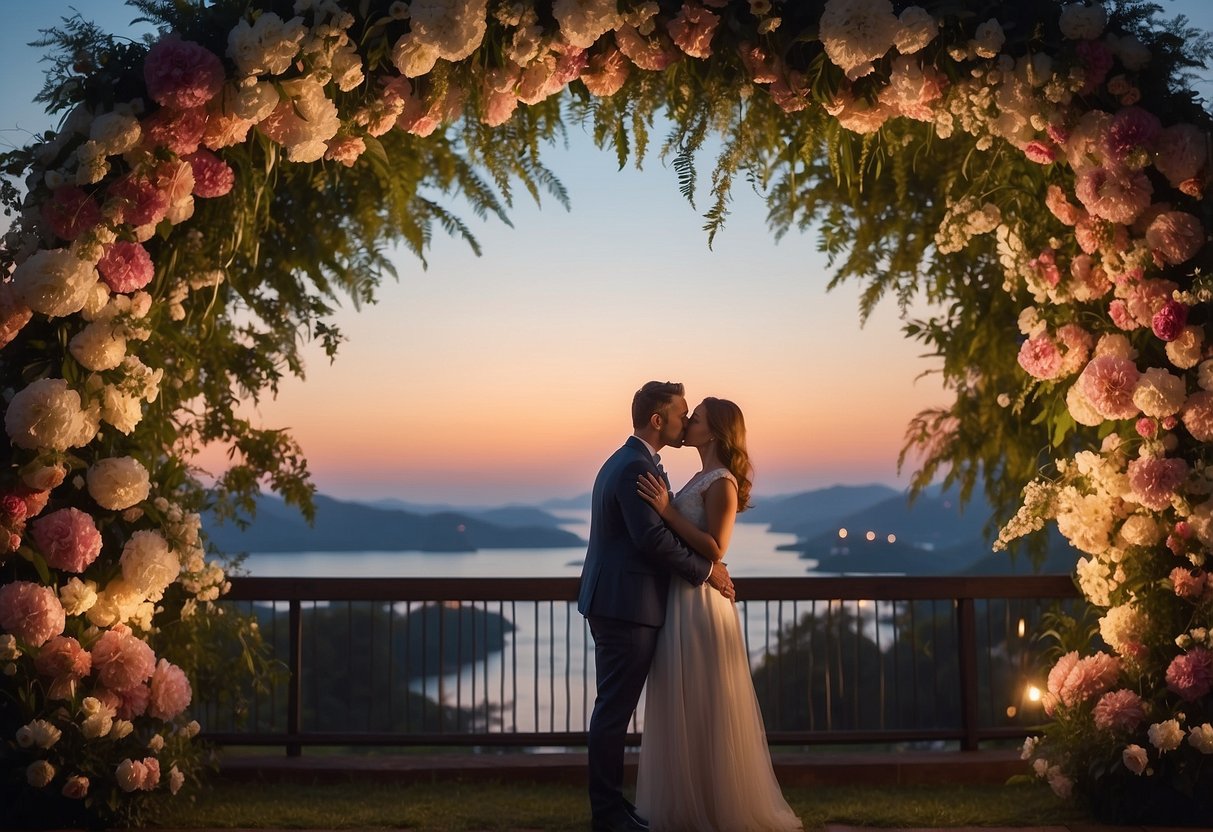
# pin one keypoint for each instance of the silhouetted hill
(581, 501)
(863, 555)
(511, 515)
(811, 513)
(354, 527)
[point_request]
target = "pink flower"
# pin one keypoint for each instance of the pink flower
(1108, 382)
(1132, 133)
(126, 267)
(539, 81)
(1197, 415)
(1040, 358)
(1094, 234)
(1089, 677)
(64, 662)
(1146, 427)
(1078, 344)
(652, 53)
(692, 30)
(121, 660)
(1057, 677)
(758, 64)
(139, 202)
(181, 74)
(212, 176)
(14, 314)
(151, 776)
(1154, 481)
(1186, 584)
(68, 539)
(345, 149)
(1169, 321)
(1061, 207)
(130, 775)
(76, 787)
(35, 501)
(570, 63)
(224, 129)
(1180, 153)
(180, 131)
(1096, 58)
(1175, 237)
(1042, 153)
(71, 212)
(1145, 298)
(1119, 710)
(1191, 674)
(132, 702)
(1115, 195)
(498, 100)
(606, 73)
(31, 612)
(171, 692)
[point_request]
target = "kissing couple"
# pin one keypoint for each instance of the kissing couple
(659, 602)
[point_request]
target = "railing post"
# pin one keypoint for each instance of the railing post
(966, 619)
(294, 692)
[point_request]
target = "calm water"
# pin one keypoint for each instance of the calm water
(752, 553)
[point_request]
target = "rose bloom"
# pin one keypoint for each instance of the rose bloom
(1133, 131)
(117, 483)
(1175, 237)
(71, 212)
(1191, 674)
(1169, 321)
(175, 780)
(1159, 393)
(130, 775)
(1119, 710)
(39, 774)
(1166, 736)
(1201, 738)
(121, 660)
(1135, 758)
(345, 149)
(76, 787)
(1108, 383)
(39, 733)
(170, 691)
(68, 539)
(181, 73)
(1154, 481)
(31, 612)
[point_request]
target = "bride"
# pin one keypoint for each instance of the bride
(704, 761)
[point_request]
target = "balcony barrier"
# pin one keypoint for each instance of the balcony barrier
(509, 662)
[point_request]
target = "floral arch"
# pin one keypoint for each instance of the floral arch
(1036, 170)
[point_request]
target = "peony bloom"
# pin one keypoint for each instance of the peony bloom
(99, 346)
(692, 29)
(1191, 674)
(121, 660)
(1166, 736)
(1089, 677)
(303, 122)
(1186, 584)
(1135, 758)
(71, 212)
(1159, 393)
(583, 22)
(1197, 415)
(68, 539)
(606, 73)
(452, 28)
(54, 282)
(116, 133)
(39, 774)
(345, 150)
(1082, 22)
(1119, 710)
(857, 32)
(1131, 136)
(1114, 195)
(181, 74)
(212, 176)
(1175, 237)
(77, 596)
(267, 47)
(148, 565)
(651, 53)
(916, 29)
(1040, 358)
(118, 483)
(1154, 481)
(180, 131)
(31, 612)
(126, 267)
(1180, 152)
(1108, 383)
(14, 314)
(170, 691)
(64, 662)
(1201, 738)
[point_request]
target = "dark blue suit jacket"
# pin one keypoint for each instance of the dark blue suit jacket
(632, 552)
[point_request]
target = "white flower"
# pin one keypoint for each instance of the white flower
(268, 47)
(1123, 627)
(453, 27)
(118, 483)
(78, 596)
(1166, 736)
(122, 728)
(1204, 375)
(412, 57)
(175, 780)
(48, 415)
(1185, 351)
(1140, 530)
(116, 133)
(39, 774)
(156, 743)
(988, 39)
(1028, 749)
(121, 409)
(1114, 344)
(582, 22)
(54, 282)
(148, 564)
(1081, 409)
(1201, 738)
(98, 719)
(1079, 22)
(118, 603)
(917, 29)
(857, 32)
(1159, 394)
(1135, 758)
(38, 733)
(304, 122)
(8, 647)
(99, 346)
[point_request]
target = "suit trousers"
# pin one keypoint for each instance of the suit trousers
(623, 653)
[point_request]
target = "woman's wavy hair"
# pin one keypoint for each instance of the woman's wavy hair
(727, 427)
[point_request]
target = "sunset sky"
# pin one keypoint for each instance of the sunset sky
(508, 377)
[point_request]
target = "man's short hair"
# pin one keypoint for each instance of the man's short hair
(653, 398)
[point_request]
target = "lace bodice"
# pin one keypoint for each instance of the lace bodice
(689, 500)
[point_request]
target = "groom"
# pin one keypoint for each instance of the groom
(623, 591)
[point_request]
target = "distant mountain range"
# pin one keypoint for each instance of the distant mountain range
(356, 527)
(933, 535)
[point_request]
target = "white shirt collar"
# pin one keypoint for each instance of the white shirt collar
(652, 451)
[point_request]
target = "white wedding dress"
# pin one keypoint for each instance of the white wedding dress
(704, 761)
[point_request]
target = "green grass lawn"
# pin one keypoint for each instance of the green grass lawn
(479, 806)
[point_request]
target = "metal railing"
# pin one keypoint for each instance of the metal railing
(508, 662)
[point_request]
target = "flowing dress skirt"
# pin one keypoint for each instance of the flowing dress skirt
(704, 761)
